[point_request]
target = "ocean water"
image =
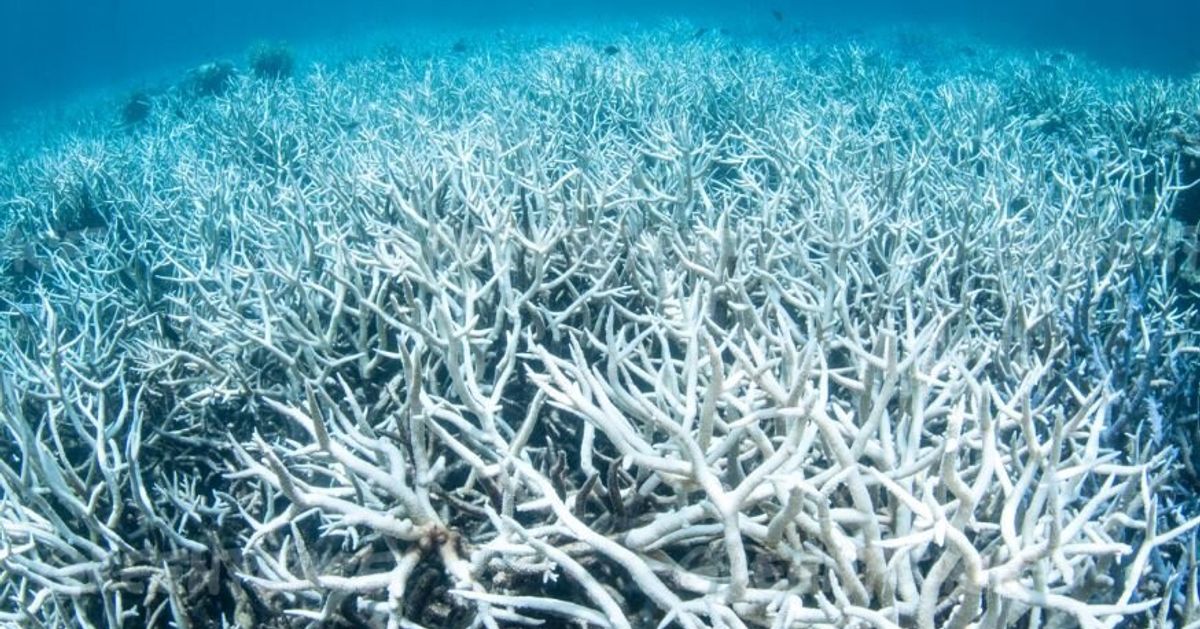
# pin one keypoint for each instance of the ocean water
(623, 314)
(51, 50)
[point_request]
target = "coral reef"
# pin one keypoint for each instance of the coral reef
(136, 109)
(710, 333)
(211, 79)
(272, 61)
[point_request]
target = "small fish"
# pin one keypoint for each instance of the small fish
(611, 50)
(777, 14)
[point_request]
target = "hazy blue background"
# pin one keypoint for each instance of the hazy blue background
(51, 49)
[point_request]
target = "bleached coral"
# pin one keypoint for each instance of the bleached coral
(706, 333)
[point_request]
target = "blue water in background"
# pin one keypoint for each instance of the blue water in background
(53, 49)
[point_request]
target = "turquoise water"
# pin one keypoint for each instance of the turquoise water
(52, 49)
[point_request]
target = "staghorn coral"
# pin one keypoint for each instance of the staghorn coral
(797, 336)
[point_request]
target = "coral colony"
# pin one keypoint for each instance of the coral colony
(670, 329)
